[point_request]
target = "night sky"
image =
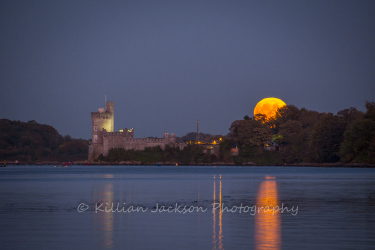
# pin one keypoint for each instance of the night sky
(166, 64)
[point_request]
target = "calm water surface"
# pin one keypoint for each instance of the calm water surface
(115, 207)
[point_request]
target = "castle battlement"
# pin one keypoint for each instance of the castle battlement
(99, 115)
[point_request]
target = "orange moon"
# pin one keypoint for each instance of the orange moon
(268, 107)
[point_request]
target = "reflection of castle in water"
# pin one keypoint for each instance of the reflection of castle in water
(104, 220)
(104, 138)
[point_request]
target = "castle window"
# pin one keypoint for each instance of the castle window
(95, 138)
(95, 128)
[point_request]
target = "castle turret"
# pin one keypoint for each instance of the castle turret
(172, 140)
(101, 120)
(166, 137)
(110, 106)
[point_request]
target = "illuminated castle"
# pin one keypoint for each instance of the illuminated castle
(104, 138)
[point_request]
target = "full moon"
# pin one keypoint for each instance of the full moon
(268, 107)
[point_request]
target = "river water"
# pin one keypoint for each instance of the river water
(186, 207)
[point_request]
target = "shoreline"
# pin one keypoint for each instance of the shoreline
(249, 164)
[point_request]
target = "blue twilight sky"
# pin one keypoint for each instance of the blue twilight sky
(166, 64)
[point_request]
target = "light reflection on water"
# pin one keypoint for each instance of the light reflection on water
(267, 233)
(217, 242)
(267, 221)
(214, 241)
(38, 208)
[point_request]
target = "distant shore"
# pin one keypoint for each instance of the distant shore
(137, 163)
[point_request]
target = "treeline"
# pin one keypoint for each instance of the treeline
(305, 136)
(298, 135)
(294, 136)
(33, 142)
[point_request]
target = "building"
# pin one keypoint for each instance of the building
(104, 138)
(235, 151)
(271, 146)
(212, 147)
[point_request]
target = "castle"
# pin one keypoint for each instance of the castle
(104, 138)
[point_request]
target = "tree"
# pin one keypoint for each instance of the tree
(225, 146)
(290, 131)
(359, 141)
(370, 113)
(359, 138)
(67, 138)
(73, 149)
(251, 135)
(349, 115)
(116, 154)
(192, 154)
(326, 137)
(28, 141)
(284, 114)
(292, 141)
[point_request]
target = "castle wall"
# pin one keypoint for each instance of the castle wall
(95, 150)
(119, 140)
